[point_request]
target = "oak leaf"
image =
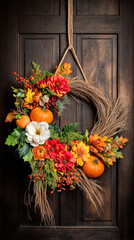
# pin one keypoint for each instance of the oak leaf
(10, 117)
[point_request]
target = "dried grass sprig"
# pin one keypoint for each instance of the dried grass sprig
(91, 189)
(41, 203)
(111, 118)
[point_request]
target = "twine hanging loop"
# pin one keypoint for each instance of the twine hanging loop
(70, 41)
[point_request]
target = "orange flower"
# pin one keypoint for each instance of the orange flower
(58, 84)
(65, 69)
(37, 97)
(96, 144)
(39, 153)
(81, 153)
(42, 84)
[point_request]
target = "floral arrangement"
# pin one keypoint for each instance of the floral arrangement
(60, 159)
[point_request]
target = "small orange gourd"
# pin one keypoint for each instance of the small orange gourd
(23, 121)
(94, 168)
(39, 115)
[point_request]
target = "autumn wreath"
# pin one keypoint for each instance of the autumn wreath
(62, 159)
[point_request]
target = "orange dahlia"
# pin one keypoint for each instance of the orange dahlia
(39, 153)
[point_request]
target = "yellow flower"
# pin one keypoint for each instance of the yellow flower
(105, 139)
(81, 153)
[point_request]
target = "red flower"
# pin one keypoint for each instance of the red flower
(58, 84)
(64, 160)
(54, 147)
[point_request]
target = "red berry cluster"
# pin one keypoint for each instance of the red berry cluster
(52, 101)
(21, 79)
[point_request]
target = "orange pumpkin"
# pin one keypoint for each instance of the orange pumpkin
(39, 115)
(94, 167)
(23, 121)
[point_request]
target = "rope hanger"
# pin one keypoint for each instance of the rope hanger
(70, 40)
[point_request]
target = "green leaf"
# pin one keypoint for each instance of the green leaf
(46, 74)
(51, 93)
(54, 130)
(20, 94)
(51, 176)
(18, 116)
(15, 90)
(68, 137)
(28, 157)
(53, 134)
(22, 139)
(23, 150)
(116, 138)
(55, 127)
(14, 137)
(44, 91)
(72, 127)
(86, 133)
(119, 155)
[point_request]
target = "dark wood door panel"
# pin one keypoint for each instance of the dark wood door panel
(71, 208)
(103, 39)
(101, 7)
(42, 49)
(38, 8)
(69, 233)
(98, 55)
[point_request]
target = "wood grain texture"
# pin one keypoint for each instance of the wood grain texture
(98, 54)
(27, 34)
(126, 84)
(97, 7)
(82, 24)
(72, 233)
(38, 8)
(34, 48)
(8, 158)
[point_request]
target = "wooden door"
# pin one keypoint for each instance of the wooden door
(33, 30)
